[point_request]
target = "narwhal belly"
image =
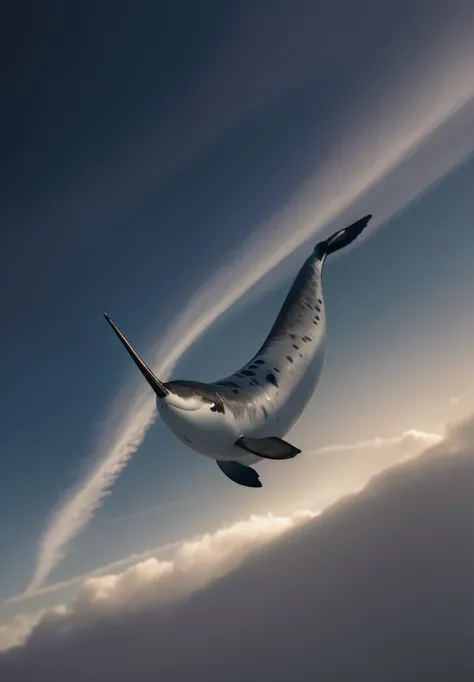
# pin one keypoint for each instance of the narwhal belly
(209, 433)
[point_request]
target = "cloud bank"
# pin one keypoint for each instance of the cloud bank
(377, 587)
(419, 126)
(194, 564)
(338, 469)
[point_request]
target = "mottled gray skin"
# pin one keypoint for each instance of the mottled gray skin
(269, 394)
(295, 342)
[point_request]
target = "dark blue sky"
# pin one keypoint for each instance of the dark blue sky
(140, 147)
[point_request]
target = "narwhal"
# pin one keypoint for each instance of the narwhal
(244, 418)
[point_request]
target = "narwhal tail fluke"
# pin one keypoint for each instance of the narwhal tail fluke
(342, 238)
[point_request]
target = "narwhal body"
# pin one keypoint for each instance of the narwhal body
(243, 418)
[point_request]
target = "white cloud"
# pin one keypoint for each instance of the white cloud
(375, 454)
(17, 629)
(140, 579)
(412, 439)
(323, 477)
(341, 575)
(385, 134)
(195, 563)
(80, 579)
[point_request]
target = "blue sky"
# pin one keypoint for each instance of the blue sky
(141, 157)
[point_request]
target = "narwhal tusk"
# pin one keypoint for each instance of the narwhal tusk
(159, 388)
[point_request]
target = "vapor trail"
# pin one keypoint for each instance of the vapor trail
(394, 137)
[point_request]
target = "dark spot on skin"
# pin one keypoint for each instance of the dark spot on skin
(235, 390)
(264, 411)
(317, 308)
(293, 336)
(272, 379)
(314, 322)
(231, 383)
(296, 347)
(276, 370)
(306, 339)
(187, 440)
(320, 302)
(252, 366)
(300, 355)
(289, 358)
(248, 373)
(259, 362)
(217, 407)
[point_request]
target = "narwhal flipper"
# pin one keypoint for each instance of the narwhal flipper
(268, 448)
(239, 473)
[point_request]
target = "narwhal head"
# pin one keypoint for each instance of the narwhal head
(187, 396)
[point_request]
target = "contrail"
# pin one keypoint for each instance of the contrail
(358, 168)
